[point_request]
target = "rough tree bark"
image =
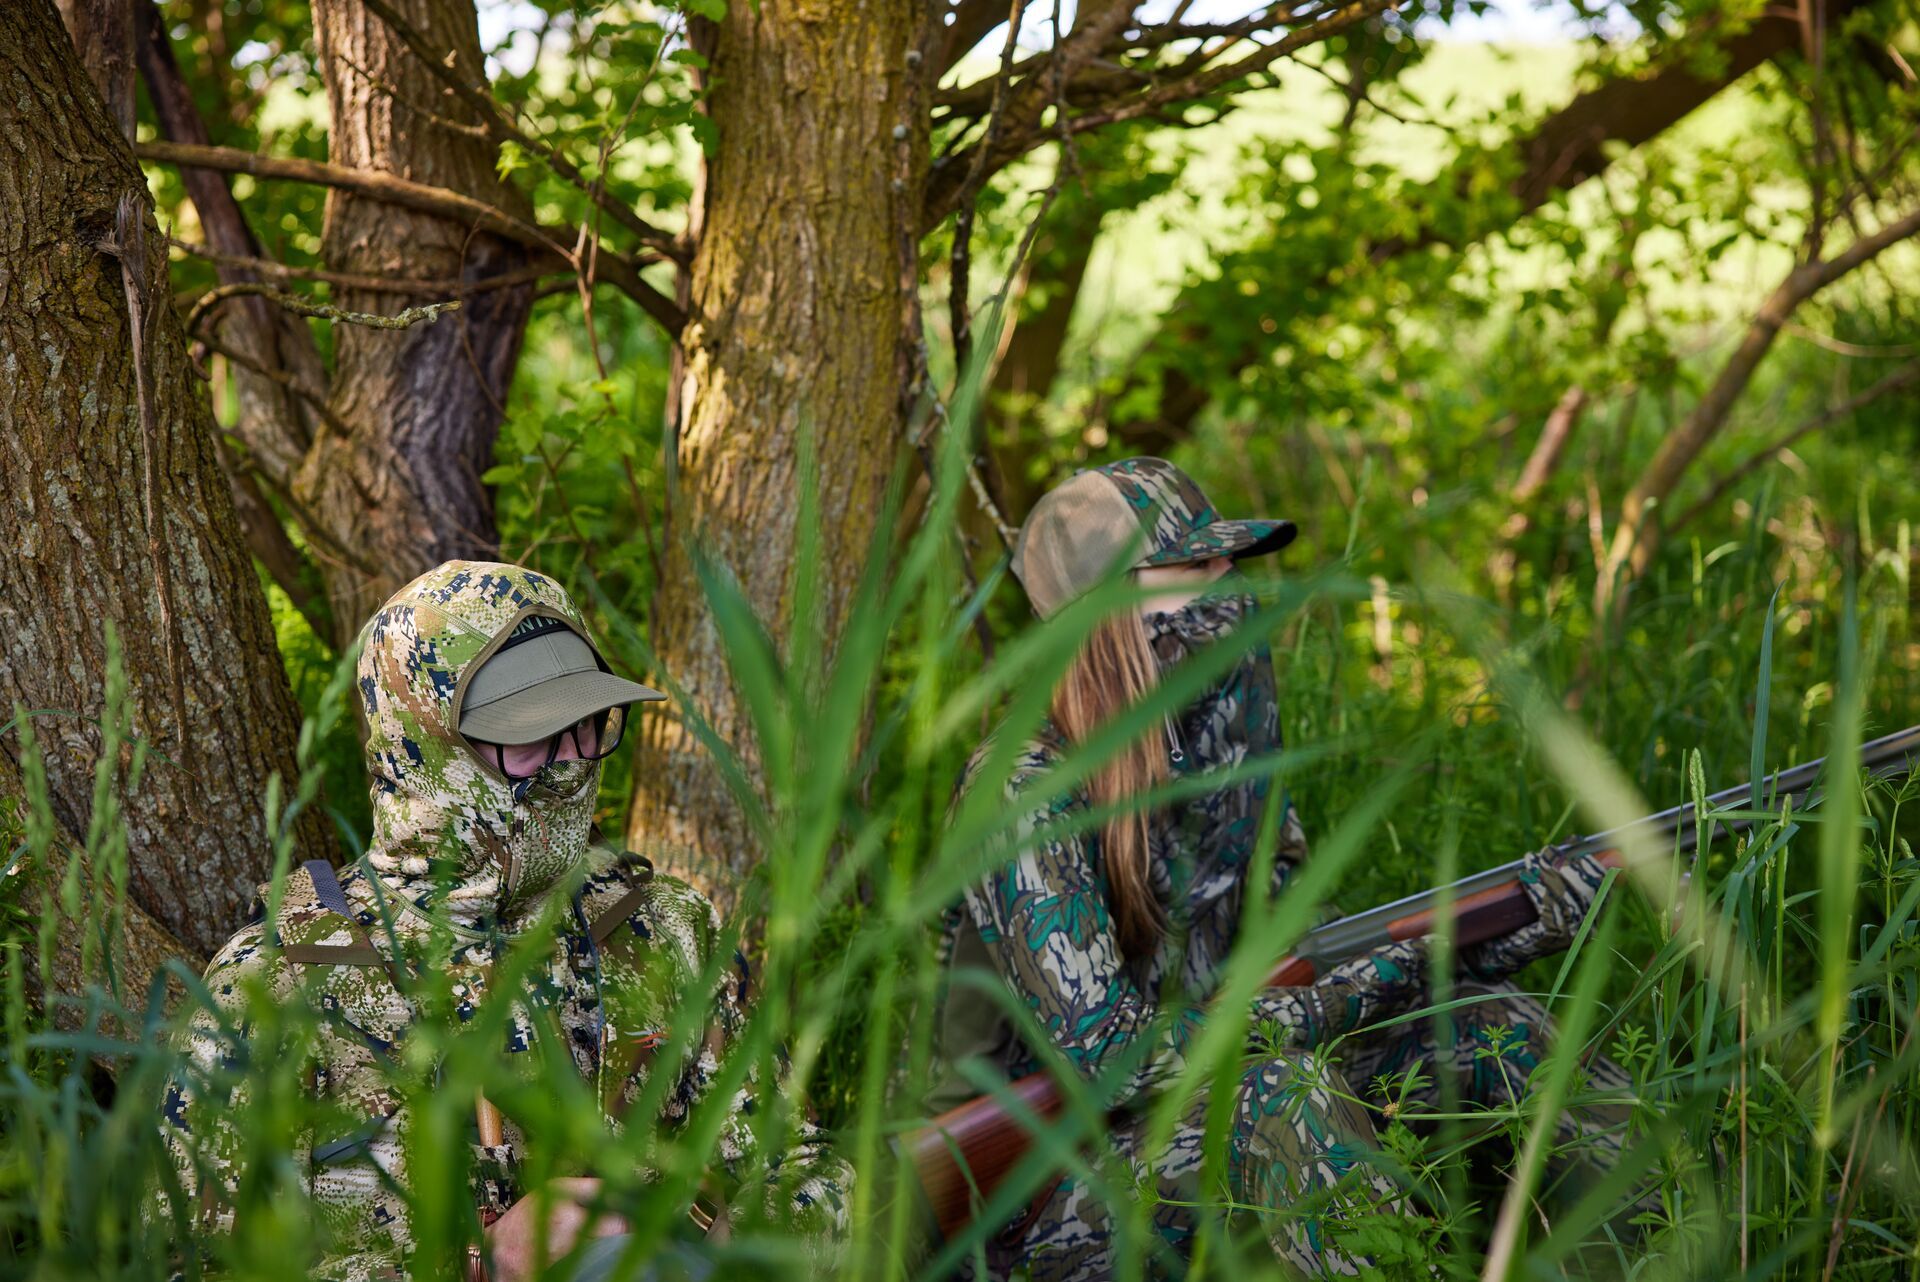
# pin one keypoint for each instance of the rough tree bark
(797, 299)
(276, 423)
(103, 499)
(422, 405)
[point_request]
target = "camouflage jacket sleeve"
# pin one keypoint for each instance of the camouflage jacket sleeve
(204, 1107)
(803, 1187)
(1360, 991)
(208, 1089)
(1044, 919)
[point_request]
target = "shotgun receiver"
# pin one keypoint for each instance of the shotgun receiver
(970, 1149)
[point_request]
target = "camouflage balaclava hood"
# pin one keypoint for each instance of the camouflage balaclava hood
(448, 826)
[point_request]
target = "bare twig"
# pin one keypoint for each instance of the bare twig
(425, 313)
(362, 182)
(1114, 95)
(1900, 380)
(280, 377)
(503, 128)
(960, 317)
(1215, 79)
(1100, 77)
(1840, 347)
(619, 269)
(353, 280)
(1636, 536)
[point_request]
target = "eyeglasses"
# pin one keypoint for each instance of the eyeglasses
(589, 739)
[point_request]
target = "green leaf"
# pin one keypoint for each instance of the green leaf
(704, 133)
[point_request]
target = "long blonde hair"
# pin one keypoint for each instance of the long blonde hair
(1112, 672)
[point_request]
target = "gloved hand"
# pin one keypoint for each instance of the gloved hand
(1562, 890)
(1359, 991)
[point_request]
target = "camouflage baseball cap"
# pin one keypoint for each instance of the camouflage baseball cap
(1143, 510)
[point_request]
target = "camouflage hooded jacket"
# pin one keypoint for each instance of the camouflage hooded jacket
(462, 866)
(1041, 918)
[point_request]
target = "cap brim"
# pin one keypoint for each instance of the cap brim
(1235, 539)
(550, 707)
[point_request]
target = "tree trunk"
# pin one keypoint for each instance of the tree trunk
(118, 516)
(797, 302)
(276, 423)
(140, 953)
(423, 405)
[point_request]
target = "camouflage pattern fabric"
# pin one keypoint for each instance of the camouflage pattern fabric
(1182, 525)
(1490, 1048)
(1297, 1140)
(464, 863)
(1300, 1141)
(1299, 1149)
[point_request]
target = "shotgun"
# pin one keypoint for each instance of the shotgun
(970, 1149)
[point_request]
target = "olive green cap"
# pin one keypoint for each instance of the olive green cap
(544, 679)
(1127, 515)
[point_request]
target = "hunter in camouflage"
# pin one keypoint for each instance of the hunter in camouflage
(464, 862)
(1301, 1143)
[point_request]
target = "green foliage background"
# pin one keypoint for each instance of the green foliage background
(1389, 413)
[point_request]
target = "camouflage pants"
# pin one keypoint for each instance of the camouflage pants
(1301, 1146)
(1495, 1045)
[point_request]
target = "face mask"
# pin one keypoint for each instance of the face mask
(550, 819)
(1238, 708)
(1175, 634)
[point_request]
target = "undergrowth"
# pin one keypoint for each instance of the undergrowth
(1764, 1003)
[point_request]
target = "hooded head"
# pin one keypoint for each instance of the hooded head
(444, 815)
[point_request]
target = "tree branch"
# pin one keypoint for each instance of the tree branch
(287, 272)
(1214, 79)
(503, 129)
(618, 268)
(1570, 146)
(426, 313)
(1016, 126)
(1552, 443)
(1634, 541)
(1027, 105)
(1900, 380)
(972, 20)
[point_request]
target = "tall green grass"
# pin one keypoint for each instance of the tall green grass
(1764, 1002)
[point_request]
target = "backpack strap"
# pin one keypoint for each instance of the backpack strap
(638, 872)
(326, 888)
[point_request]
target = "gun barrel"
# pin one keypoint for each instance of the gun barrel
(1338, 940)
